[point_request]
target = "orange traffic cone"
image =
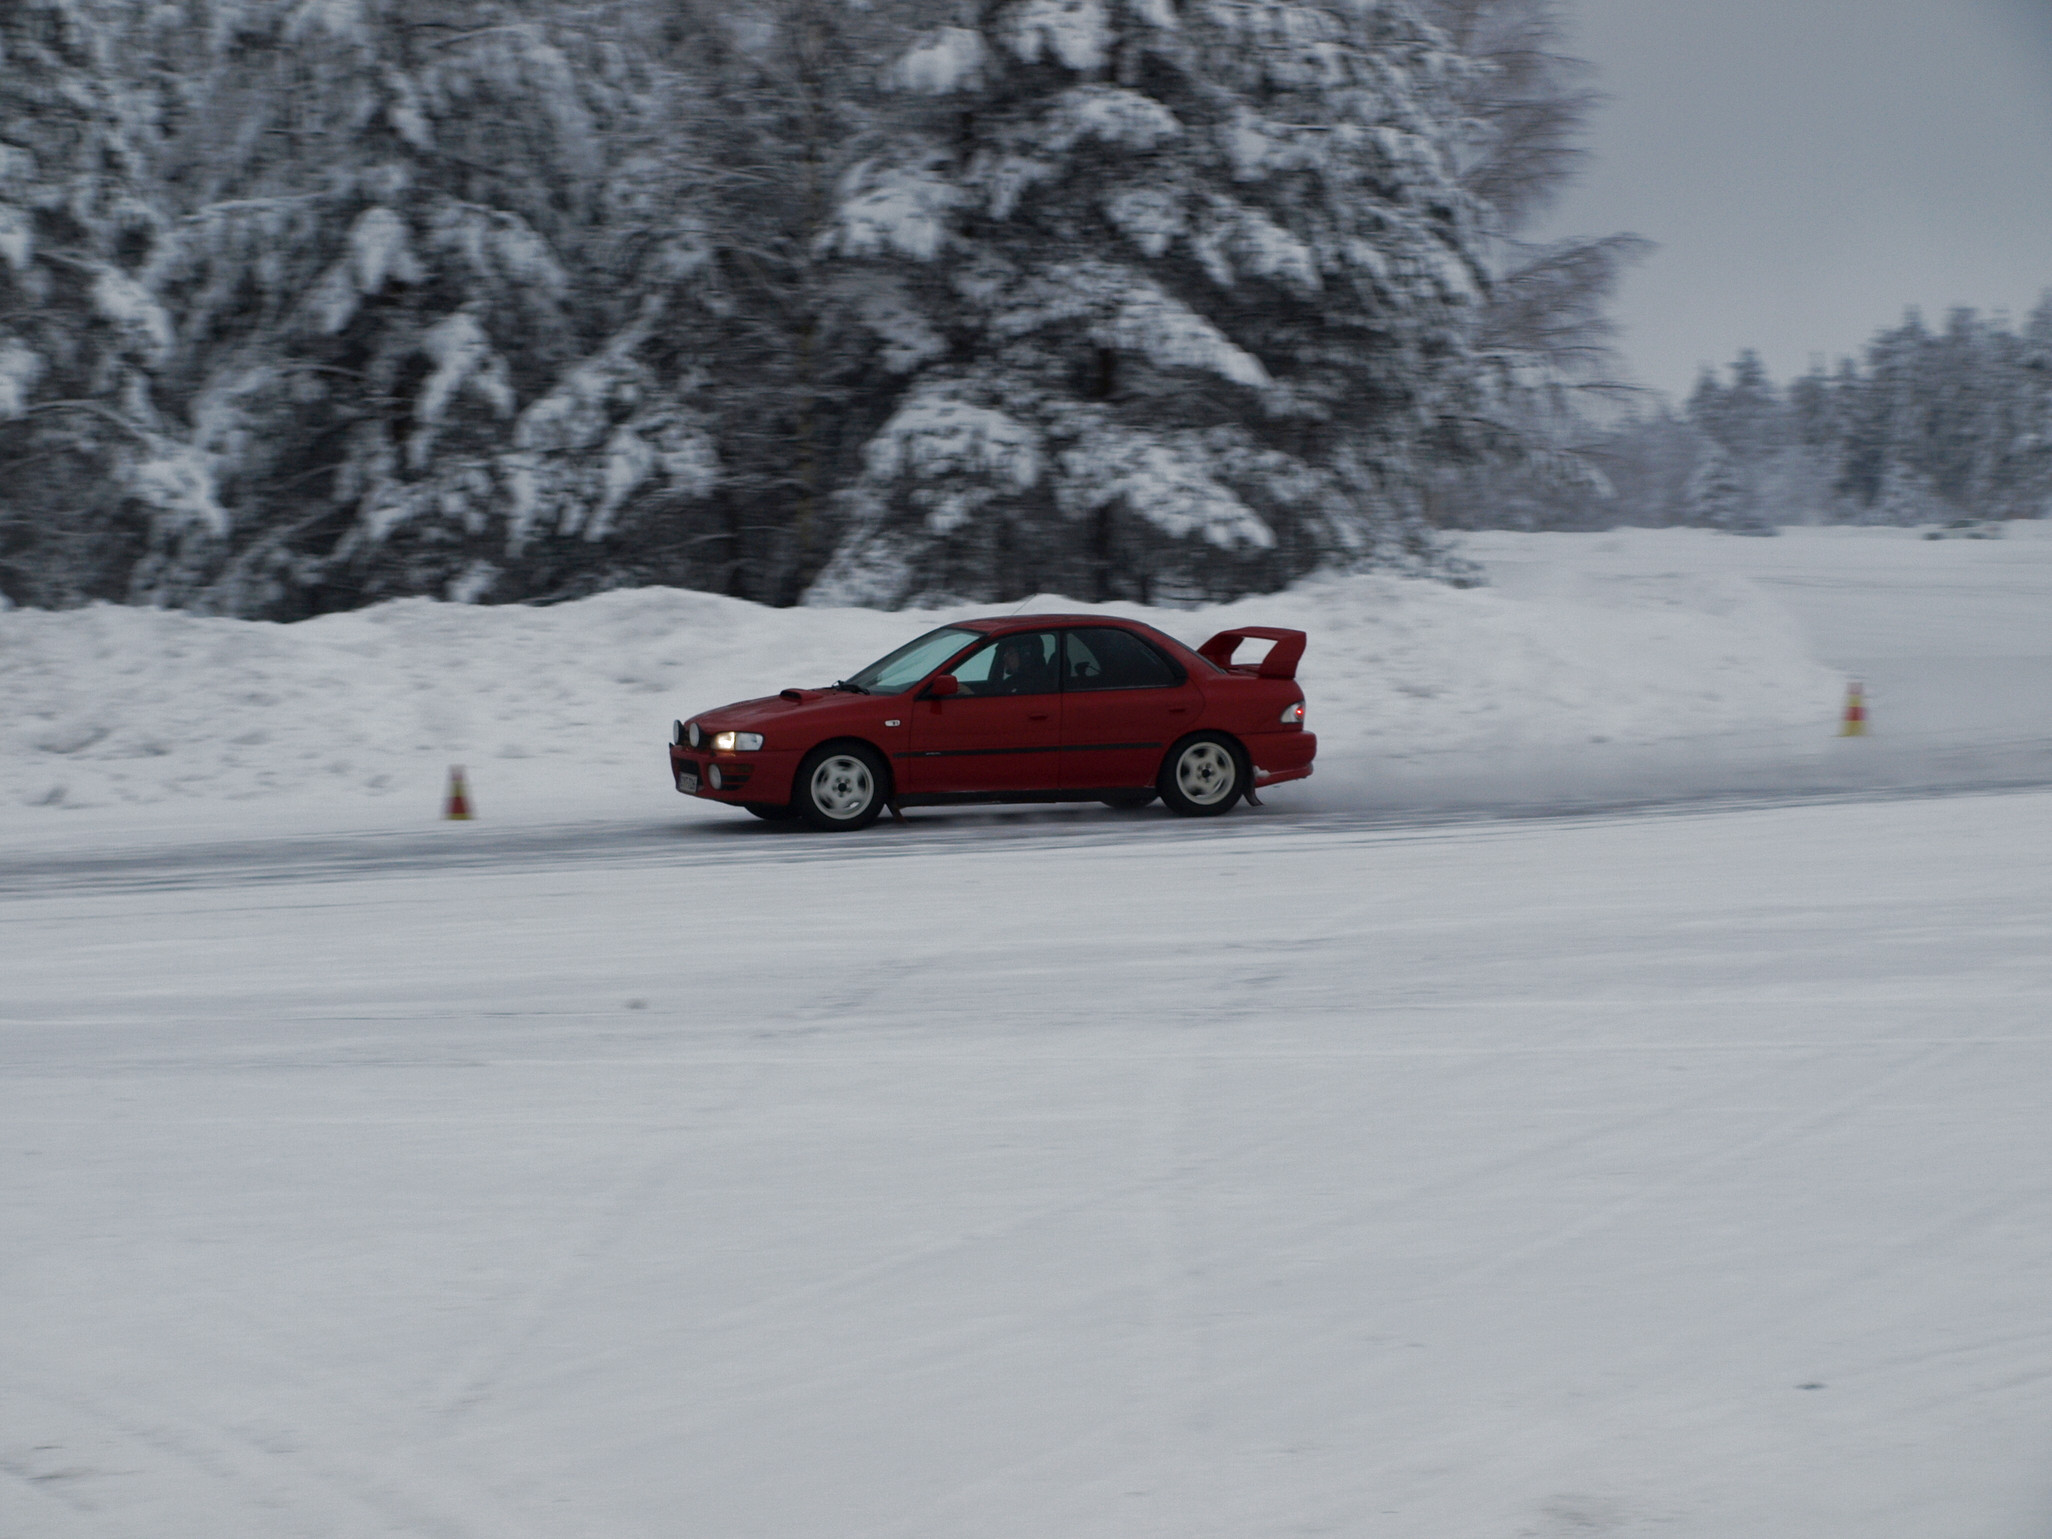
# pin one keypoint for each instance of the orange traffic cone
(1855, 721)
(459, 795)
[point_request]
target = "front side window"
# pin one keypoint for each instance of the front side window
(1023, 664)
(912, 662)
(1114, 659)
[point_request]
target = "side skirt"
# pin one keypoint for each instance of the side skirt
(993, 798)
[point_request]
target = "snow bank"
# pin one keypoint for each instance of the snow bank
(563, 711)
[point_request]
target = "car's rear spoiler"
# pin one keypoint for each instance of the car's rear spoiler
(1281, 662)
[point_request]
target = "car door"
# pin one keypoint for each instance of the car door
(1002, 732)
(1123, 703)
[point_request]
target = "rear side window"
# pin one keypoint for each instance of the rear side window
(1114, 659)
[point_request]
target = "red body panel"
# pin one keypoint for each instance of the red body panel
(1070, 743)
(966, 744)
(1116, 737)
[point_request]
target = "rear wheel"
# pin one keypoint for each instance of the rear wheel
(771, 812)
(840, 787)
(1203, 776)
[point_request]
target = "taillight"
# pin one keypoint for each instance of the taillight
(1293, 716)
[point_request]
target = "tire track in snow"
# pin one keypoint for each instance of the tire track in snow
(1341, 1507)
(1793, 1131)
(255, 1481)
(1477, 1449)
(527, 1318)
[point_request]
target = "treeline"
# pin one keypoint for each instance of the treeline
(309, 303)
(1928, 427)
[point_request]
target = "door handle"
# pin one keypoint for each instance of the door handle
(1042, 716)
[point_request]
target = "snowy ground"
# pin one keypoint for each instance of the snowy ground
(1952, 638)
(1679, 1175)
(1364, 1165)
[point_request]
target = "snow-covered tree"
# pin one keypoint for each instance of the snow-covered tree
(100, 497)
(1720, 496)
(1531, 451)
(1744, 417)
(1180, 293)
(765, 107)
(2031, 495)
(1775, 444)
(394, 342)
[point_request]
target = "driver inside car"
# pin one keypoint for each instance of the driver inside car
(1022, 667)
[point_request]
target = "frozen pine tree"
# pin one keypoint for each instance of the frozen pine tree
(764, 106)
(100, 497)
(1180, 295)
(395, 343)
(2031, 496)
(1531, 452)
(1721, 497)
(1525, 104)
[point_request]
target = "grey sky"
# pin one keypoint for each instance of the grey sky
(1811, 167)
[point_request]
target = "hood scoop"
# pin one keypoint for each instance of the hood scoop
(790, 694)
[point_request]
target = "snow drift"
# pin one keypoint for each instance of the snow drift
(563, 712)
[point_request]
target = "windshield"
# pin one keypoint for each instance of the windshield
(912, 662)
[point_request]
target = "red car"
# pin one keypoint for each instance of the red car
(1029, 708)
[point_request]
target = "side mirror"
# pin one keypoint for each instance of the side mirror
(943, 686)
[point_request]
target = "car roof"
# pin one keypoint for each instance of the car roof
(1006, 625)
(997, 624)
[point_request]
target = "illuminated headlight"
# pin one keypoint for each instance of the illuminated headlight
(747, 742)
(1294, 715)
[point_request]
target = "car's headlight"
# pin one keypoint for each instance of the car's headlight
(747, 742)
(693, 736)
(677, 733)
(1293, 716)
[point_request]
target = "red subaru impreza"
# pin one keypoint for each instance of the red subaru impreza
(1031, 708)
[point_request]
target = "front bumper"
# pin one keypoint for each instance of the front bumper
(740, 777)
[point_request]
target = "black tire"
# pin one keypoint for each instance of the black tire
(841, 787)
(1203, 775)
(1129, 801)
(770, 812)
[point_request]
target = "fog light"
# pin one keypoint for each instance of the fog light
(713, 775)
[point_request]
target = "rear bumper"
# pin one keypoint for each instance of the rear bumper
(1280, 756)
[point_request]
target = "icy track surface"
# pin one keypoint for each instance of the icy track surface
(1664, 1174)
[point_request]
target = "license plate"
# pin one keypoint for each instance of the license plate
(687, 782)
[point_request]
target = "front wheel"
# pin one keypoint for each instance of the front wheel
(1203, 776)
(840, 787)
